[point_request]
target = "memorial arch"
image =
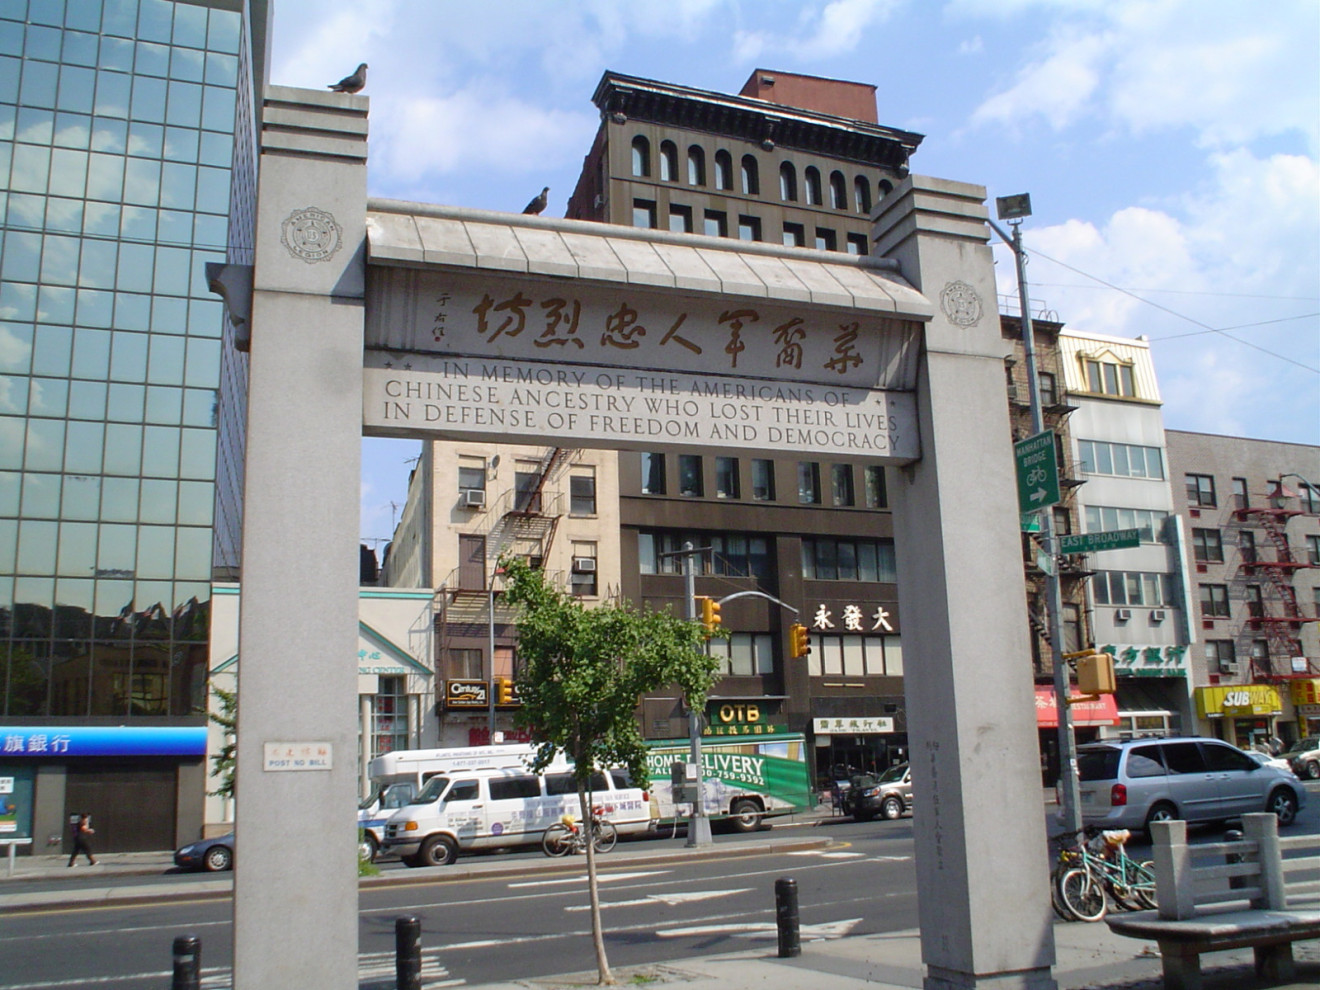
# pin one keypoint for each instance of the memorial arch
(413, 320)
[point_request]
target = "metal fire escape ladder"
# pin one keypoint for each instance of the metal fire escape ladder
(1282, 626)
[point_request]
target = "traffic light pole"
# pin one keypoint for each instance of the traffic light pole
(698, 823)
(1069, 795)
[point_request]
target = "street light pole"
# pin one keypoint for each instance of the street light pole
(1069, 797)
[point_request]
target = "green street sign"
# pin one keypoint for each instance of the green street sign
(1037, 472)
(1117, 539)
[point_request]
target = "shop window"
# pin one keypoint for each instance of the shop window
(389, 716)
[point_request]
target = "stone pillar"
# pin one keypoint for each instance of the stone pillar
(295, 882)
(981, 864)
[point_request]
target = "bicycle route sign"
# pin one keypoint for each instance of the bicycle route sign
(1037, 472)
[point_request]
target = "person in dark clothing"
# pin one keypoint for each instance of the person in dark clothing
(82, 839)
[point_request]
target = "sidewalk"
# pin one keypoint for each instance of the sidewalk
(1089, 956)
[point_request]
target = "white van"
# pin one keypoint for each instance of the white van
(466, 810)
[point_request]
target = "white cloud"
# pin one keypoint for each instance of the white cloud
(1057, 87)
(821, 32)
(971, 46)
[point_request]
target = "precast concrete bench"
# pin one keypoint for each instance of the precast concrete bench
(1261, 892)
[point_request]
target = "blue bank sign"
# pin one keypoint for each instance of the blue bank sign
(64, 741)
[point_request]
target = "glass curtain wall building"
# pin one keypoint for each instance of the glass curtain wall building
(127, 150)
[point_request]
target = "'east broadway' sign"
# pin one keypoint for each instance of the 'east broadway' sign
(508, 401)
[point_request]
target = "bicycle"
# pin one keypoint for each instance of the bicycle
(567, 836)
(1092, 872)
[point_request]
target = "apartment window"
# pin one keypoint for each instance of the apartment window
(1132, 588)
(582, 493)
(877, 494)
(788, 182)
(808, 483)
(716, 224)
(653, 474)
(856, 244)
(1313, 550)
(689, 475)
(1049, 389)
(763, 480)
(1214, 601)
(841, 484)
(794, 235)
(751, 178)
(464, 664)
(668, 161)
(1062, 521)
(582, 575)
(1208, 546)
(723, 170)
(726, 477)
(749, 228)
(1309, 497)
(826, 240)
(1220, 656)
(680, 219)
(1124, 460)
(1247, 546)
(471, 474)
(862, 195)
(829, 559)
(1241, 500)
(745, 654)
(811, 176)
(732, 554)
(1108, 378)
(641, 156)
(696, 166)
(855, 656)
(1255, 602)
(838, 191)
(643, 213)
(885, 187)
(1201, 490)
(526, 484)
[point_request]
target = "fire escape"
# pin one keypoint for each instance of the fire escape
(1276, 613)
(523, 522)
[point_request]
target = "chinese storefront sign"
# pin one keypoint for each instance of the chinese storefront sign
(852, 619)
(851, 726)
(739, 719)
(1147, 661)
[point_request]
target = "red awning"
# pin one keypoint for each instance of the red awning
(1102, 711)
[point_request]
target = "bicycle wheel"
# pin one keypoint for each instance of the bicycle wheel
(557, 841)
(1083, 895)
(1056, 897)
(604, 836)
(1142, 879)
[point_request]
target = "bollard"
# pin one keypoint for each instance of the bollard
(1234, 835)
(408, 953)
(786, 917)
(187, 963)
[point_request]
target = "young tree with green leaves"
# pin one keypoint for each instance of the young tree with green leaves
(583, 672)
(222, 763)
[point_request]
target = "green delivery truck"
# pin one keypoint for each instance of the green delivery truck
(744, 780)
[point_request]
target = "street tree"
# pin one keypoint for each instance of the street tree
(583, 672)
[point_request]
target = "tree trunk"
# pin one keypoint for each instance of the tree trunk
(597, 932)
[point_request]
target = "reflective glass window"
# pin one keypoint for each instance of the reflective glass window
(148, 101)
(198, 460)
(223, 32)
(217, 149)
(117, 548)
(155, 20)
(135, 266)
(83, 445)
(41, 495)
(15, 344)
(193, 553)
(94, 307)
(138, 223)
(169, 315)
(8, 544)
(203, 363)
(199, 407)
(178, 185)
(164, 404)
(105, 177)
(10, 485)
(55, 304)
(142, 181)
(35, 126)
(128, 354)
(116, 54)
(185, 104)
(155, 552)
(36, 546)
(119, 499)
(10, 71)
(213, 190)
(180, 144)
(160, 451)
(91, 352)
(101, 219)
(109, 135)
(152, 59)
(13, 394)
(42, 42)
(81, 497)
(29, 169)
(80, 47)
(113, 92)
(172, 271)
(190, 26)
(77, 88)
(210, 231)
(68, 172)
(196, 503)
(76, 556)
(187, 64)
(221, 70)
(97, 270)
(61, 214)
(158, 500)
(54, 347)
(59, 260)
(86, 399)
(73, 130)
(39, 84)
(48, 397)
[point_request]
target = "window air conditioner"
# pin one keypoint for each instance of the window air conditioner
(1157, 615)
(1228, 666)
(584, 565)
(474, 498)
(1122, 614)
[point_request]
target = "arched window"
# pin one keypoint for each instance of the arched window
(641, 156)
(723, 170)
(751, 176)
(885, 187)
(838, 191)
(862, 193)
(812, 179)
(696, 166)
(787, 182)
(668, 162)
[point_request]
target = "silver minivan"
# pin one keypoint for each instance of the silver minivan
(1133, 782)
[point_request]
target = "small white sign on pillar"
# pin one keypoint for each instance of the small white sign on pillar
(282, 756)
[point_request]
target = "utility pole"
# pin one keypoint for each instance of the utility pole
(698, 824)
(1014, 209)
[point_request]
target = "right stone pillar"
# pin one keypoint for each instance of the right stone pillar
(980, 839)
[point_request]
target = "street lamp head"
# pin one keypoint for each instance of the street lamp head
(1013, 207)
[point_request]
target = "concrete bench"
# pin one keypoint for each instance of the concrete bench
(1229, 895)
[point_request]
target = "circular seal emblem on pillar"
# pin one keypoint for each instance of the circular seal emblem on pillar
(311, 234)
(961, 304)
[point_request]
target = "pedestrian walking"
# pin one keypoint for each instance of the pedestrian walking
(82, 839)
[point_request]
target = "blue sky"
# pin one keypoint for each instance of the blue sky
(1170, 147)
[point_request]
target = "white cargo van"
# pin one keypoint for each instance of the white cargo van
(466, 810)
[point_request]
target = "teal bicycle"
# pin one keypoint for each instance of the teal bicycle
(1097, 870)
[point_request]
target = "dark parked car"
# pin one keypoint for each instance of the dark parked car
(888, 796)
(212, 855)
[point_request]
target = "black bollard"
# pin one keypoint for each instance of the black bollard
(187, 963)
(786, 917)
(408, 953)
(1233, 835)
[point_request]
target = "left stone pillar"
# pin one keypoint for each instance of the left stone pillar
(295, 881)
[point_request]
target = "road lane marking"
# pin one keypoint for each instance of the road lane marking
(825, 930)
(819, 854)
(672, 900)
(580, 878)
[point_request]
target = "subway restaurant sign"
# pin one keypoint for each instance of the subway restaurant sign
(1238, 700)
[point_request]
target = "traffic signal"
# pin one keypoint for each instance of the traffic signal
(799, 640)
(710, 615)
(1095, 671)
(506, 691)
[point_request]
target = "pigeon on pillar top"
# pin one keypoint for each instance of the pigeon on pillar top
(353, 83)
(538, 204)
